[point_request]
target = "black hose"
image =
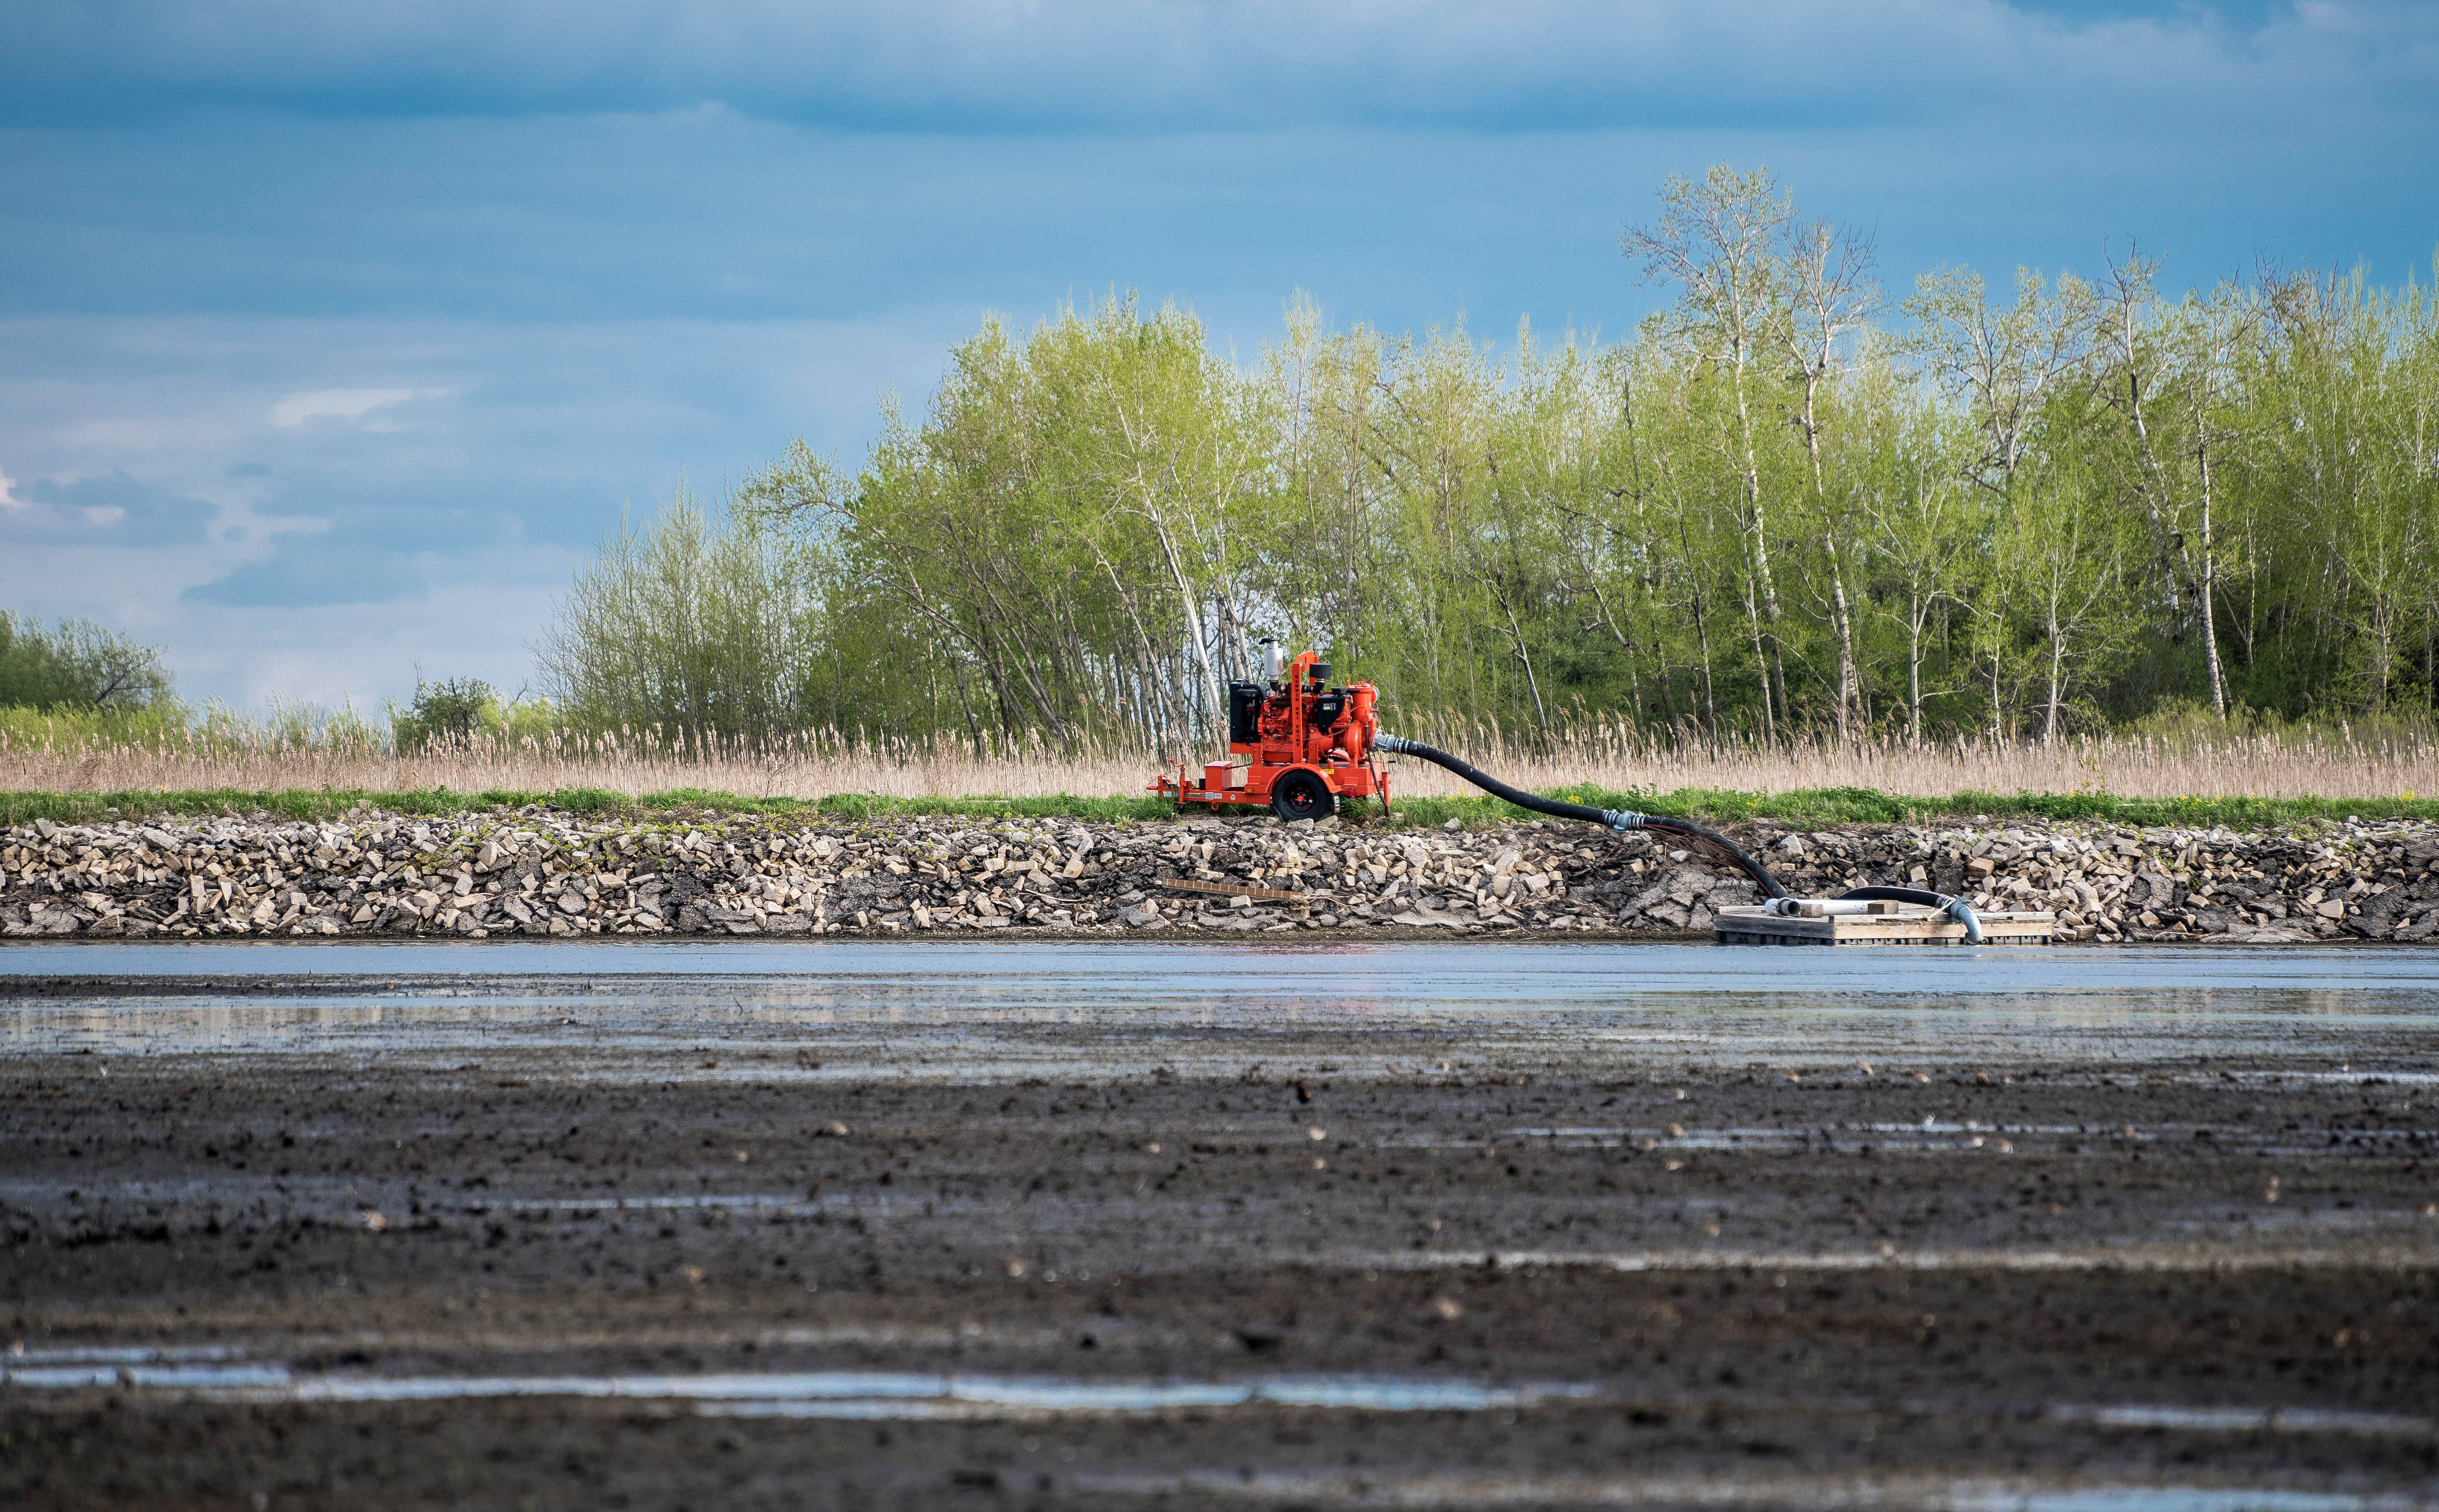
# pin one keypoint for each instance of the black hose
(1897, 895)
(1555, 808)
(1759, 873)
(1560, 808)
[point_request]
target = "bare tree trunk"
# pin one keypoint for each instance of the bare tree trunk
(1757, 517)
(1516, 637)
(1702, 643)
(1917, 611)
(1193, 616)
(1761, 663)
(1835, 294)
(2057, 660)
(1843, 621)
(2209, 576)
(1997, 651)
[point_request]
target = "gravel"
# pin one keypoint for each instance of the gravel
(538, 871)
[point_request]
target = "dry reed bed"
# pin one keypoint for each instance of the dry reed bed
(2332, 766)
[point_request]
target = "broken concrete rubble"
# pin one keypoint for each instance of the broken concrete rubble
(541, 873)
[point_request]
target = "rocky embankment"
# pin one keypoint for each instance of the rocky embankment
(536, 872)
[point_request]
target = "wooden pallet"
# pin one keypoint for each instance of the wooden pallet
(1298, 903)
(1904, 924)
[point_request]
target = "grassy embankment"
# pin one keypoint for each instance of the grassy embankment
(1805, 806)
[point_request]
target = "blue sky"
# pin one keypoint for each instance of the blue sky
(330, 336)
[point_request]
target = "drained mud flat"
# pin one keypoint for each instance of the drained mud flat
(1133, 1224)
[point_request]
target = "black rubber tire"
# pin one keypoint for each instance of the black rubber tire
(1302, 795)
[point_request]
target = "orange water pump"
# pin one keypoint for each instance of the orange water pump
(1306, 744)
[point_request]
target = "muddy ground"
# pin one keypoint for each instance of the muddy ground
(1705, 1268)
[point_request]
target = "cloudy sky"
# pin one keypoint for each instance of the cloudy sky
(331, 335)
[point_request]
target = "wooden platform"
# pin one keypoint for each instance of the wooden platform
(1300, 905)
(1905, 924)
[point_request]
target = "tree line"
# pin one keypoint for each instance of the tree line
(1788, 503)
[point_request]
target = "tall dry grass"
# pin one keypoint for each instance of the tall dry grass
(2332, 764)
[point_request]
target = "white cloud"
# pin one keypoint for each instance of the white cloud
(339, 403)
(9, 498)
(489, 504)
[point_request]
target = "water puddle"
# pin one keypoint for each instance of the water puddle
(2250, 1419)
(1935, 1135)
(738, 1202)
(223, 1373)
(1491, 965)
(817, 1394)
(2149, 1258)
(119, 1355)
(823, 1010)
(1851, 1493)
(165, 1378)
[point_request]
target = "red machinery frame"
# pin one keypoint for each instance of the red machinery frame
(1293, 727)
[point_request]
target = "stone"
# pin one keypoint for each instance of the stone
(852, 876)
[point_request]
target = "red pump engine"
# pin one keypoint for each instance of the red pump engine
(1308, 744)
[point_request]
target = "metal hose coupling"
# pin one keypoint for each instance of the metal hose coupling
(1961, 911)
(1621, 819)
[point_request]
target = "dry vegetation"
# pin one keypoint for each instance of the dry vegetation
(2313, 764)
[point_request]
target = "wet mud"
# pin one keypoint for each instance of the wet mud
(1126, 1227)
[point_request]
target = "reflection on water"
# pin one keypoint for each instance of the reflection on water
(873, 1394)
(813, 1393)
(1491, 971)
(925, 1010)
(1878, 1493)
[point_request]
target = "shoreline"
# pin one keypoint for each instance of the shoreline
(541, 872)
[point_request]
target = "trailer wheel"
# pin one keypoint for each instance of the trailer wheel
(1302, 795)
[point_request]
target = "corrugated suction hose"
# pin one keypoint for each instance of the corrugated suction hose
(1710, 840)
(1717, 844)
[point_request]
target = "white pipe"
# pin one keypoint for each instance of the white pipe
(1818, 907)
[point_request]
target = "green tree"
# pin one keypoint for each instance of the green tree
(78, 665)
(452, 711)
(701, 624)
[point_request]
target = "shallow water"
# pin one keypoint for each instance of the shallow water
(692, 1011)
(1523, 972)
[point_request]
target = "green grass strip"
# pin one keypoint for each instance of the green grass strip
(325, 803)
(1807, 807)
